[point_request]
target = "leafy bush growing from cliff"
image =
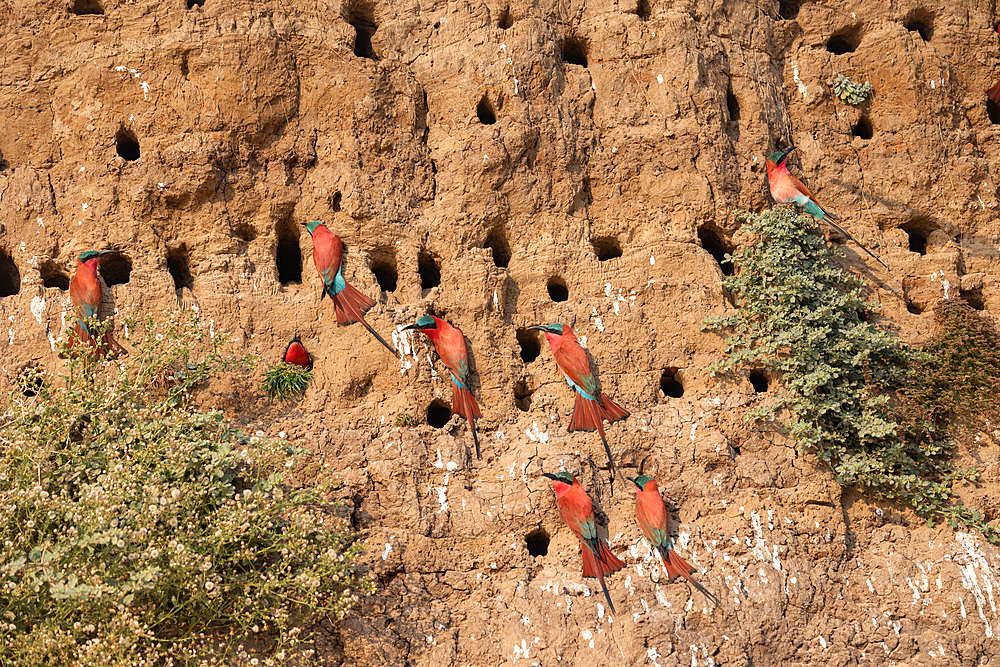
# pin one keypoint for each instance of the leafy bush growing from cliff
(137, 529)
(846, 382)
(957, 379)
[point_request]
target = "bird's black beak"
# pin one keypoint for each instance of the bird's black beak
(412, 326)
(105, 253)
(787, 151)
(632, 479)
(549, 475)
(537, 327)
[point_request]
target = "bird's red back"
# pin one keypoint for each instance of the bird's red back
(572, 359)
(450, 345)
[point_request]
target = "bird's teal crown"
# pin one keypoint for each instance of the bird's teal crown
(555, 328)
(89, 255)
(564, 477)
(641, 480)
(311, 227)
(427, 322)
(776, 156)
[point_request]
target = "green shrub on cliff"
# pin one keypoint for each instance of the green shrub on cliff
(847, 393)
(137, 529)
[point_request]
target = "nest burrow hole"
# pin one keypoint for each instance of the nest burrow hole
(974, 297)
(732, 104)
(863, 128)
(287, 253)
(438, 414)
(191, 4)
(498, 245)
(606, 247)
(558, 291)
(789, 9)
(505, 20)
(758, 379)
(115, 269)
(917, 230)
(53, 275)
(85, 7)
(429, 270)
(382, 263)
(993, 111)
(485, 112)
(844, 41)
(920, 21)
(712, 241)
(670, 383)
(537, 542)
(361, 16)
(530, 346)
(643, 9)
(178, 264)
(574, 51)
(10, 277)
(127, 144)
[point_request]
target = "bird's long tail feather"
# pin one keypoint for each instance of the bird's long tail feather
(598, 566)
(612, 411)
(829, 221)
(111, 345)
(107, 345)
(589, 415)
(464, 404)
(350, 306)
(994, 92)
(675, 565)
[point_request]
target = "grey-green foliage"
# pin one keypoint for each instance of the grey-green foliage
(137, 529)
(850, 92)
(802, 317)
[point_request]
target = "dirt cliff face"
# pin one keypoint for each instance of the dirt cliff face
(503, 166)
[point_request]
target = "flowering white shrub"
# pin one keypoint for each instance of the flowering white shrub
(135, 529)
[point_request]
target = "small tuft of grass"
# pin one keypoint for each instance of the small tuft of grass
(405, 419)
(285, 380)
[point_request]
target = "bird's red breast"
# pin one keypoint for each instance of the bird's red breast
(576, 509)
(650, 510)
(85, 287)
(296, 354)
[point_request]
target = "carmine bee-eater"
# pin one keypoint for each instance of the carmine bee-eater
(578, 513)
(591, 407)
(296, 354)
(85, 292)
(785, 189)
(349, 303)
(652, 516)
(450, 345)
